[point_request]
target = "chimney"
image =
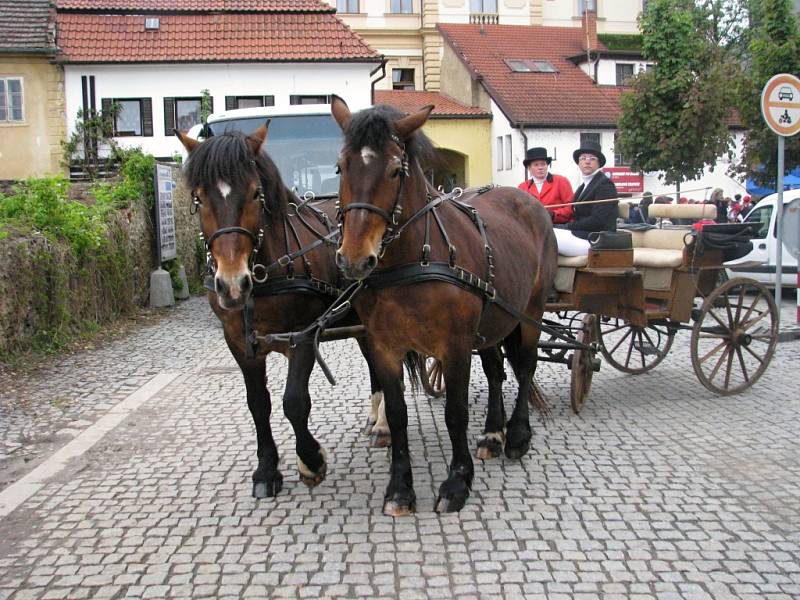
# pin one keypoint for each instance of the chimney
(589, 29)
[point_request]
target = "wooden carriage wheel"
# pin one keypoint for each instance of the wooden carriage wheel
(582, 364)
(633, 349)
(433, 381)
(734, 336)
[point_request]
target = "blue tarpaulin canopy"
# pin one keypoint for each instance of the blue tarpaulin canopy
(790, 182)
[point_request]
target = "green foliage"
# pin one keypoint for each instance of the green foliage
(205, 105)
(674, 119)
(172, 267)
(136, 180)
(774, 48)
(92, 145)
(620, 41)
(44, 205)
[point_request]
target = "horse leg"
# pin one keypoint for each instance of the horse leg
(311, 460)
(521, 347)
(377, 426)
(399, 498)
(453, 493)
(494, 433)
(267, 479)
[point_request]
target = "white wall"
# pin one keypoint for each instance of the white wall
(501, 128)
(351, 81)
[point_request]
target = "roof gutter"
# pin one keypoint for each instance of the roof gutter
(382, 67)
(11, 50)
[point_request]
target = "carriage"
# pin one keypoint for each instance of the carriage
(626, 304)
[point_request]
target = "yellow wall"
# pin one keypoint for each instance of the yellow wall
(32, 148)
(470, 137)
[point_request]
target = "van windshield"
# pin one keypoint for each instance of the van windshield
(305, 149)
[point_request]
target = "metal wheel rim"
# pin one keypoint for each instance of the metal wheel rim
(734, 337)
(649, 345)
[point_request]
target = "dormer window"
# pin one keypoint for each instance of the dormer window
(152, 23)
(525, 65)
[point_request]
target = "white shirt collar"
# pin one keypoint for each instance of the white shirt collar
(589, 177)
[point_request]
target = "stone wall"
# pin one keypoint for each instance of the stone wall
(46, 295)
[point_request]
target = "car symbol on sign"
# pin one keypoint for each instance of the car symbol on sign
(785, 93)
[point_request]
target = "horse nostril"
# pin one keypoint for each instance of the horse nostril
(341, 261)
(372, 261)
(220, 286)
(245, 284)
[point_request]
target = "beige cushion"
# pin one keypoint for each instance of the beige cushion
(565, 279)
(657, 257)
(656, 279)
(682, 211)
(572, 261)
(624, 210)
(672, 239)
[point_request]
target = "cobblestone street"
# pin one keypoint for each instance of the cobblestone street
(145, 448)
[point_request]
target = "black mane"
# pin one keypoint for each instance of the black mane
(372, 127)
(227, 157)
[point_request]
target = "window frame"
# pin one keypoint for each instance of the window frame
(232, 101)
(298, 99)
(410, 10)
(508, 152)
(617, 66)
(620, 160)
(7, 93)
(141, 117)
(531, 65)
(499, 147)
(348, 4)
(586, 136)
(403, 84)
(482, 5)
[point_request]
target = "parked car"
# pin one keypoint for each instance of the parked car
(765, 245)
(303, 141)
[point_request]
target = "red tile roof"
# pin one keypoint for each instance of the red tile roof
(568, 98)
(444, 107)
(25, 27)
(196, 5)
(209, 38)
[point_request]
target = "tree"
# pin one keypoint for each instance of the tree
(774, 48)
(674, 119)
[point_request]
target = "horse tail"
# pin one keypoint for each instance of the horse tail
(415, 366)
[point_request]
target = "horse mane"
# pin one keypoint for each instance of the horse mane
(372, 127)
(227, 157)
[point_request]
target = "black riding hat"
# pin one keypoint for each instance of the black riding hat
(536, 154)
(590, 148)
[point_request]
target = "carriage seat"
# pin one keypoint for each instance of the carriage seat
(657, 253)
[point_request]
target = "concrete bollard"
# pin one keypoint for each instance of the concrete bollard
(183, 293)
(161, 293)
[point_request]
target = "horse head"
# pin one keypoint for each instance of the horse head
(375, 166)
(227, 176)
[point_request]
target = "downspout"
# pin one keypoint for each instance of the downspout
(382, 67)
(524, 149)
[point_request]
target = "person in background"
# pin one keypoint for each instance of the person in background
(547, 187)
(718, 199)
(572, 236)
(638, 212)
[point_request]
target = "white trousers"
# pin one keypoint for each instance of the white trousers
(569, 244)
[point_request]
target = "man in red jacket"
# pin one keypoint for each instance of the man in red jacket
(548, 188)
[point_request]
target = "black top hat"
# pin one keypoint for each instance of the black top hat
(590, 148)
(536, 154)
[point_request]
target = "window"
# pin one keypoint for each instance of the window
(402, 79)
(507, 154)
(624, 72)
(232, 102)
(589, 137)
(620, 160)
(347, 6)
(182, 113)
(11, 99)
(762, 216)
(525, 65)
(483, 6)
(309, 99)
(401, 6)
(133, 116)
(584, 5)
(500, 162)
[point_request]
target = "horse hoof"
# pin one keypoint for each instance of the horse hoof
(313, 478)
(268, 489)
(490, 446)
(380, 440)
(450, 504)
(397, 508)
(517, 452)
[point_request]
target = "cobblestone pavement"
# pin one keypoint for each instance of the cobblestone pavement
(658, 489)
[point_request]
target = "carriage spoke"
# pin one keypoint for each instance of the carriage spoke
(728, 369)
(760, 359)
(718, 320)
(714, 351)
(630, 349)
(649, 339)
(741, 363)
(715, 370)
(752, 306)
(749, 324)
(619, 343)
(739, 305)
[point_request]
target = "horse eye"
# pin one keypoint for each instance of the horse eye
(338, 169)
(396, 173)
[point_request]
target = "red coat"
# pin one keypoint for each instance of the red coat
(556, 190)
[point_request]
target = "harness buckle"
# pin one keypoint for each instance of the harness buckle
(426, 255)
(284, 260)
(452, 251)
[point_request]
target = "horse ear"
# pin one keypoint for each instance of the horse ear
(189, 143)
(408, 125)
(340, 112)
(256, 139)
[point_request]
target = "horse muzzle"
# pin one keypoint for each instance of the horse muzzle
(358, 269)
(232, 294)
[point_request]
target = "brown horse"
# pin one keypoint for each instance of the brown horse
(258, 240)
(440, 277)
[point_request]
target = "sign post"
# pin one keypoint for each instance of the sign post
(780, 107)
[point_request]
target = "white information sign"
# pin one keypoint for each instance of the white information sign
(791, 227)
(165, 215)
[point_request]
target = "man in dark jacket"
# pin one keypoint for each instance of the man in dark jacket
(595, 186)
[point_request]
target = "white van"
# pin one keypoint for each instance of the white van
(765, 245)
(303, 141)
